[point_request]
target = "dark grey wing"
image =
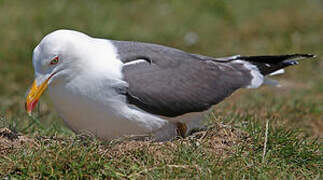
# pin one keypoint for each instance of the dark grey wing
(171, 82)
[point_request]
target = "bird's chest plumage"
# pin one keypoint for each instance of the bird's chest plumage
(92, 105)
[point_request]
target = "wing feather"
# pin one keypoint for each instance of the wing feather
(172, 82)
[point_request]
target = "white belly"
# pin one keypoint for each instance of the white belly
(103, 113)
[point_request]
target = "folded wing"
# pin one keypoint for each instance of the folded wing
(170, 82)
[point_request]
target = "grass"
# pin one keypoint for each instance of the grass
(233, 146)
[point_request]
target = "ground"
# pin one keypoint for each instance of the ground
(235, 146)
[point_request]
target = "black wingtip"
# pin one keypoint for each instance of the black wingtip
(293, 60)
(276, 58)
(296, 57)
(271, 63)
(311, 55)
(306, 55)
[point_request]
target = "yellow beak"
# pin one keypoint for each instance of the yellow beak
(34, 94)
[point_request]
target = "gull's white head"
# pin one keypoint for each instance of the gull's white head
(60, 55)
(58, 52)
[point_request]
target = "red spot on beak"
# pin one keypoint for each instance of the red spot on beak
(33, 104)
(29, 107)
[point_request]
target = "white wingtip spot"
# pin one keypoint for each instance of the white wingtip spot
(280, 71)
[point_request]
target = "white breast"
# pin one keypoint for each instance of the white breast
(97, 108)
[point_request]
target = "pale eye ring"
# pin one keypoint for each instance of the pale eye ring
(54, 60)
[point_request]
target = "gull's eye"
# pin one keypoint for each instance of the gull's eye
(54, 61)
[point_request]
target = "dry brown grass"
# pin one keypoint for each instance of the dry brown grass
(217, 139)
(11, 140)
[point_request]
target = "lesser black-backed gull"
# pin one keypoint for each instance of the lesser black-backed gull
(116, 88)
